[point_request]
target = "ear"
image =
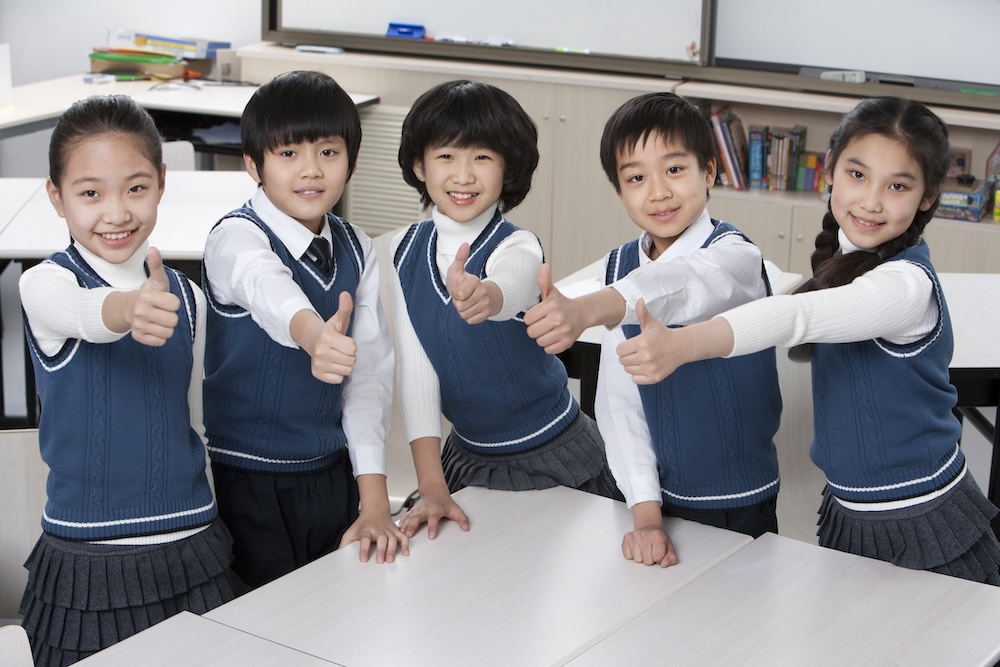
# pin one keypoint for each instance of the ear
(928, 201)
(418, 170)
(251, 168)
(55, 197)
(710, 174)
(163, 182)
(827, 167)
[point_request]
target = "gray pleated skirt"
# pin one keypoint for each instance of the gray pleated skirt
(949, 535)
(84, 597)
(574, 458)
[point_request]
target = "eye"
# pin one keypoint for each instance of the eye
(328, 152)
(898, 187)
(674, 170)
(286, 153)
(635, 178)
(89, 194)
(484, 156)
(855, 174)
(136, 189)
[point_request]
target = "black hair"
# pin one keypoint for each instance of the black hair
(299, 106)
(102, 114)
(665, 114)
(925, 138)
(469, 114)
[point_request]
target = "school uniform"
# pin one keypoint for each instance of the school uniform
(699, 442)
(130, 525)
(514, 423)
(285, 446)
(898, 488)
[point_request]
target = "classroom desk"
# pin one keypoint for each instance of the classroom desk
(14, 194)
(975, 365)
(36, 106)
(538, 579)
(783, 602)
(189, 639)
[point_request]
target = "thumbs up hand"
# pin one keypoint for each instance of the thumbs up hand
(154, 309)
(468, 293)
(335, 352)
(652, 355)
(556, 321)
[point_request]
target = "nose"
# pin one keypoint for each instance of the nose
(116, 211)
(870, 200)
(311, 167)
(464, 173)
(659, 188)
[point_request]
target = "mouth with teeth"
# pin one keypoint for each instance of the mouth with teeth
(116, 236)
(870, 224)
(462, 197)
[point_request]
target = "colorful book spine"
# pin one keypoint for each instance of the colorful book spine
(724, 169)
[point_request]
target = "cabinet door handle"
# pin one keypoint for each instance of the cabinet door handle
(798, 237)
(781, 235)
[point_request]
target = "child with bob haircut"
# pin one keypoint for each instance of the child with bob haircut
(877, 328)
(131, 533)
(697, 446)
(462, 280)
(298, 384)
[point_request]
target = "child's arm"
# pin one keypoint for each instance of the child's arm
(622, 421)
(420, 400)
(367, 413)
(681, 290)
(895, 301)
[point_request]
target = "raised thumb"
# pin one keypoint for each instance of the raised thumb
(342, 318)
(157, 274)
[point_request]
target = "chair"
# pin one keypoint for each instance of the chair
(15, 651)
(178, 155)
(22, 499)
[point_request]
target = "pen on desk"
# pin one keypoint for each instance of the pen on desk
(567, 49)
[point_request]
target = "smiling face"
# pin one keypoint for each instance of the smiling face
(663, 188)
(877, 189)
(304, 180)
(462, 182)
(108, 195)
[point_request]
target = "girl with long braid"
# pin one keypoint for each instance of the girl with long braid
(874, 322)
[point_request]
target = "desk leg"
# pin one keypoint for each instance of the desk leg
(582, 361)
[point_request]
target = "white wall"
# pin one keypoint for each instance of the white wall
(50, 39)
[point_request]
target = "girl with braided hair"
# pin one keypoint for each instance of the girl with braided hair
(875, 325)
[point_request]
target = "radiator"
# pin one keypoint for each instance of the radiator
(377, 199)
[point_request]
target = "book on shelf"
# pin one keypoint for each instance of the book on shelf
(724, 168)
(758, 142)
(796, 144)
(731, 143)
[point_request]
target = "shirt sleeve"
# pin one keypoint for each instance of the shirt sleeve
(622, 422)
(696, 287)
(195, 405)
(894, 301)
(513, 267)
(243, 270)
(367, 407)
(419, 387)
(58, 308)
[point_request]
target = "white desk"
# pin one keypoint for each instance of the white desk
(37, 105)
(192, 202)
(538, 578)
(783, 602)
(974, 304)
(188, 639)
(14, 194)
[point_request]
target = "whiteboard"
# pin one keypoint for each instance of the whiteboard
(952, 40)
(652, 29)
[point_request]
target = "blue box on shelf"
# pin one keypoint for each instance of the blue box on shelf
(405, 30)
(970, 201)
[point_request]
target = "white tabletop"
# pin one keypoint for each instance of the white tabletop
(14, 195)
(45, 100)
(192, 202)
(784, 602)
(974, 305)
(538, 578)
(188, 639)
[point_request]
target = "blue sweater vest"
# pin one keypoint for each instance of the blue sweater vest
(115, 429)
(500, 390)
(712, 422)
(264, 410)
(883, 427)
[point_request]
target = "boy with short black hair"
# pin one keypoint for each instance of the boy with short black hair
(697, 445)
(298, 364)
